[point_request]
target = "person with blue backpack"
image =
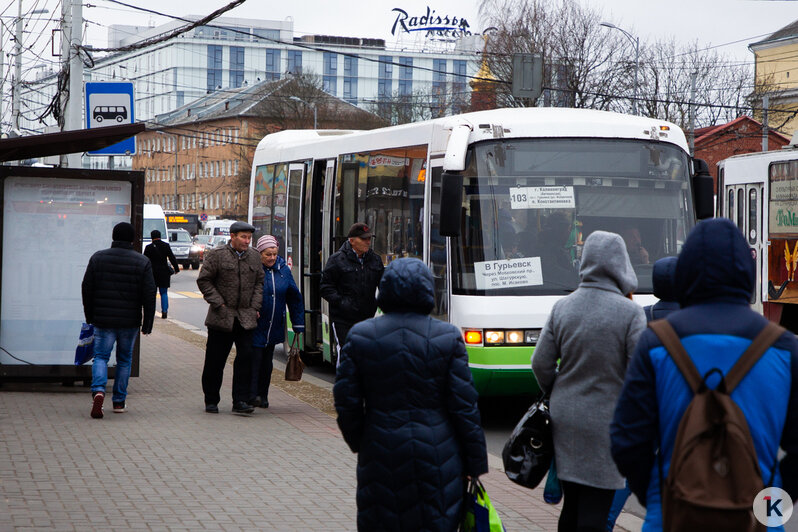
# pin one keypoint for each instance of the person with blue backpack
(279, 289)
(692, 358)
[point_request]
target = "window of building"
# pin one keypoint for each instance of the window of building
(384, 81)
(272, 64)
(214, 67)
(294, 61)
(406, 76)
(438, 87)
(330, 79)
(236, 66)
(459, 90)
(350, 79)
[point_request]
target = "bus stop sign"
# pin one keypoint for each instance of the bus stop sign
(110, 103)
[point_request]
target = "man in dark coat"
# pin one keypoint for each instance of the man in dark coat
(117, 285)
(715, 278)
(407, 405)
(159, 252)
(231, 281)
(349, 282)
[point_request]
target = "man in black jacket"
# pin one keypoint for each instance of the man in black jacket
(118, 283)
(349, 282)
(159, 252)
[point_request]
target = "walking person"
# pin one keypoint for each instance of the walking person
(407, 405)
(279, 289)
(715, 279)
(664, 280)
(349, 282)
(231, 281)
(118, 292)
(580, 360)
(159, 252)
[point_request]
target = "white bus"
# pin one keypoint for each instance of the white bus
(759, 193)
(496, 203)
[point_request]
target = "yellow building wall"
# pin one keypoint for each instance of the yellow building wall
(777, 70)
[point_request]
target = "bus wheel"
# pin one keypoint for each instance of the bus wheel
(98, 118)
(119, 118)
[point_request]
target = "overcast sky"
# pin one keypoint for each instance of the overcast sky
(710, 22)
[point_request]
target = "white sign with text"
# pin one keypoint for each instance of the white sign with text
(493, 274)
(542, 197)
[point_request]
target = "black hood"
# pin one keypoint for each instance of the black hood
(406, 286)
(715, 265)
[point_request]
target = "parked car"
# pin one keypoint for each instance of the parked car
(218, 240)
(186, 253)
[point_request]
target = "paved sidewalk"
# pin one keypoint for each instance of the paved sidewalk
(166, 465)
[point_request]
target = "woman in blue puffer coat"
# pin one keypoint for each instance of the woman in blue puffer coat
(407, 405)
(279, 288)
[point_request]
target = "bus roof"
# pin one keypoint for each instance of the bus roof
(753, 167)
(533, 122)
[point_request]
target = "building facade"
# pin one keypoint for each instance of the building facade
(233, 52)
(776, 74)
(197, 158)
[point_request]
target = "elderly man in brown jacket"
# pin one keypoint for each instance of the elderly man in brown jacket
(231, 280)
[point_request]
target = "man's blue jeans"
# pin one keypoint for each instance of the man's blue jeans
(104, 340)
(164, 298)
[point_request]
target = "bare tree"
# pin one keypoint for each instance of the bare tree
(586, 65)
(423, 104)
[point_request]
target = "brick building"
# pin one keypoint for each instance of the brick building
(197, 158)
(741, 135)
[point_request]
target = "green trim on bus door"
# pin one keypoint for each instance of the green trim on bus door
(500, 381)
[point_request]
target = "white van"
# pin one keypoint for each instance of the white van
(154, 218)
(217, 227)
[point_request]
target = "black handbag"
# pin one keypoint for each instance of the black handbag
(528, 453)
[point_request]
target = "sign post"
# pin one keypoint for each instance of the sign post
(110, 103)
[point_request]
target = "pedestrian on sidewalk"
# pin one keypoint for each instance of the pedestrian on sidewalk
(663, 278)
(159, 252)
(279, 289)
(349, 282)
(715, 279)
(580, 360)
(407, 405)
(231, 281)
(117, 286)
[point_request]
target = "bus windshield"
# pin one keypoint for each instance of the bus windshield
(530, 203)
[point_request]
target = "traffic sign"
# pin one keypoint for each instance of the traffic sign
(110, 103)
(203, 217)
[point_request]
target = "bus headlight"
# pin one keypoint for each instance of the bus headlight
(531, 336)
(494, 337)
(514, 337)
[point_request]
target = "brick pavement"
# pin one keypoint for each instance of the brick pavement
(166, 465)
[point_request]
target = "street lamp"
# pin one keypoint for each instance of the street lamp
(313, 105)
(636, 42)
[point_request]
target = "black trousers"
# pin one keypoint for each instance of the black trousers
(340, 330)
(584, 508)
(262, 366)
(217, 349)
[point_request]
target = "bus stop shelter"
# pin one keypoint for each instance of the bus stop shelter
(52, 221)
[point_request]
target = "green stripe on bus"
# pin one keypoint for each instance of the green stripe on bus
(501, 356)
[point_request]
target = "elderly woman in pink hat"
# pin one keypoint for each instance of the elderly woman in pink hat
(279, 290)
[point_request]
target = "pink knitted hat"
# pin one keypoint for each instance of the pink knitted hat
(266, 241)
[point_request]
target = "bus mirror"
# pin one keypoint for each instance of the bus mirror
(451, 203)
(703, 190)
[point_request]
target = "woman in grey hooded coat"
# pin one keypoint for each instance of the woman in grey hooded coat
(592, 333)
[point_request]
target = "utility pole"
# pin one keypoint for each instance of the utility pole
(15, 105)
(72, 102)
(765, 105)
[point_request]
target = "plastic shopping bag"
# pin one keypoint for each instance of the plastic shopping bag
(85, 350)
(479, 515)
